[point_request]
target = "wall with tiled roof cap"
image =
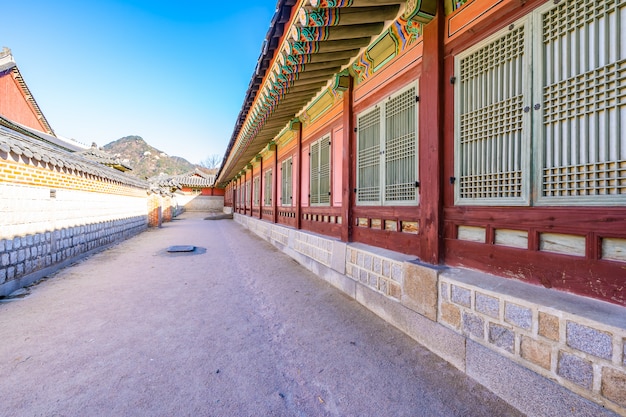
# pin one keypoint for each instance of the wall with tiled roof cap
(56, 206)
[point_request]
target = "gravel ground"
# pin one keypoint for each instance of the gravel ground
(234, 329)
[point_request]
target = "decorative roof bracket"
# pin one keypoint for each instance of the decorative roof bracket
(422, 11)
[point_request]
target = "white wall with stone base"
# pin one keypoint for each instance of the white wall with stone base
(43, 230)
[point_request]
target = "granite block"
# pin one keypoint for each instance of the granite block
(614, 386)
(461, 296)
(518, 316)
(529, 392)
(575, 369)
(502, 337)
(548, 326)
(589, 340)
(473, 325)
(487, 305)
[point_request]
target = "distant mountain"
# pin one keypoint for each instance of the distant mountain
(146, 160)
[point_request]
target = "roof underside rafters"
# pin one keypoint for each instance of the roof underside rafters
(304, 49)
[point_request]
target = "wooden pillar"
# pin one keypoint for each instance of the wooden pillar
(251, 190)
(431, 139)
(261, 184)
(348, 164)
(275, 186)
(243, 191)
(296, 127)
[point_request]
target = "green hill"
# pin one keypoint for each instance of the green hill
(146, 160)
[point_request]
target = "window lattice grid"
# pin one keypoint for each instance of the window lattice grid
(493, 72)
(400, 147)
(267, 197)
(324, 172)
(584, 100)
(257, 191)
(315, 173)
(368, 157)
(491, 132)
(287, 183)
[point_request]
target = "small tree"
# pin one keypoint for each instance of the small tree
(211, 161)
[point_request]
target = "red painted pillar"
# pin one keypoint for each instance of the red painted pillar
(348, 165)
(296, 126)
(275, 186)
(431, 139)
(261, 184)
(251, 191)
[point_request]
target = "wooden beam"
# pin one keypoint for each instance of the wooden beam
(293, 60)
(347, 16)
(304, 48)
(315, 66)
(325, 33)
(327, 4)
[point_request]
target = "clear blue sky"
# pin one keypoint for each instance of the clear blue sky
(173, 72)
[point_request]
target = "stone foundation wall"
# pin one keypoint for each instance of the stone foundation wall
(546, 352)
(26, 259)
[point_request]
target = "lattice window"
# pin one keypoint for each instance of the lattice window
(320, 172)
(492, 141)
(247, 193)
(558, 107)
(387, 151)
(583, 94)
(368, 157)
(256, 186)
(267, 189)
(400, 147)
(286, 182)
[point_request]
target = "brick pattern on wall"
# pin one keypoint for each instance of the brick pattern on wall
(64, 178)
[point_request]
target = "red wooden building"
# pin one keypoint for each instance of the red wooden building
(483, 135)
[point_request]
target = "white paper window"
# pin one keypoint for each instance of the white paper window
(387, 151)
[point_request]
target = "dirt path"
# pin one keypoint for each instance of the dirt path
(240, 330)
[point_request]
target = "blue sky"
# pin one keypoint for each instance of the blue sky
(172, 72)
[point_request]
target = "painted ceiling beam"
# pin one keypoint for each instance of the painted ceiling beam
(327, 4)
(354, 16)
(325, 33)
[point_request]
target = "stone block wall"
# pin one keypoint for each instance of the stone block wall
(568, 349)
(577, 342)
(23, 257)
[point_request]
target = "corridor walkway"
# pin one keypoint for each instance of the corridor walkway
(239, 330)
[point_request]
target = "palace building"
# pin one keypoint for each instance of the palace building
(458, 167)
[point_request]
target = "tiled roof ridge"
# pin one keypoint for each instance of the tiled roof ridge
(14, 142)
(8, 64)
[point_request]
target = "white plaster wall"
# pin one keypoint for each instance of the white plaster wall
(28, 210)
(201, 202)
